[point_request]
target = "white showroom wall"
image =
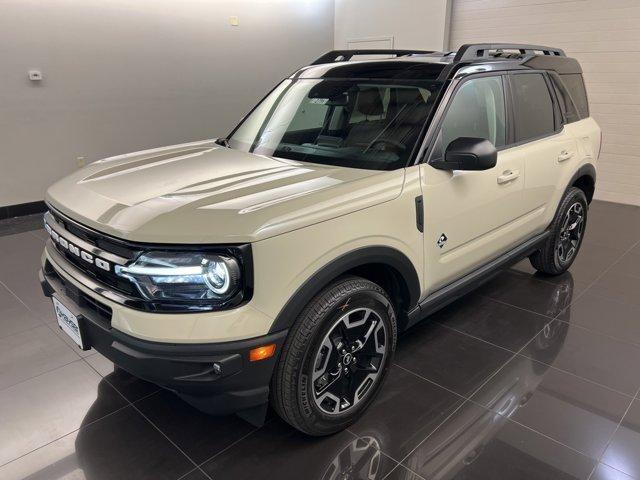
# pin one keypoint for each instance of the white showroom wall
(124, 75)
(419, 24)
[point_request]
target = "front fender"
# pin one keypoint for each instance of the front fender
(356, 258)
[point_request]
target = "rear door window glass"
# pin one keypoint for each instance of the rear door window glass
(532, 105)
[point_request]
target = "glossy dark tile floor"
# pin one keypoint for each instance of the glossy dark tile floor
(530, 377)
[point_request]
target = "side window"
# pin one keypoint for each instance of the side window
(476, 110)
(532, 105)
(564, 97)
(575, 85)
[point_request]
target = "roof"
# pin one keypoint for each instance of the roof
(431, 65)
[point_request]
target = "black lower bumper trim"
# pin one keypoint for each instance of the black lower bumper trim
(217, 378)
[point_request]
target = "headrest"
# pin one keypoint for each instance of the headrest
(369, 102)
(408, 96)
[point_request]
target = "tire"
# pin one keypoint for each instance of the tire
(553, 258)
(334, 321)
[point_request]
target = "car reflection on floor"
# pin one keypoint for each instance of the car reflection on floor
(467, 438)
(461, 440)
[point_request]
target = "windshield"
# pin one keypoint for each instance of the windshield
(352, 123)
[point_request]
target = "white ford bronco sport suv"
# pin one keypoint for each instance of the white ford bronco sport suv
(278, 265)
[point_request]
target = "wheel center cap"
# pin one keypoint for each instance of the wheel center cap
(347, 359)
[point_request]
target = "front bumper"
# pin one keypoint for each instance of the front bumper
(232, 385)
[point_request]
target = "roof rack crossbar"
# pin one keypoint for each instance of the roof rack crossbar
(474, 51)
(346, 55)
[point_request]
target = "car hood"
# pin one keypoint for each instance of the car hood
(203, 193)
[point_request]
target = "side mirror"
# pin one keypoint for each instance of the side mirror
(467, 153)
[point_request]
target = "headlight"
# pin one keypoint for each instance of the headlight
(171, 276)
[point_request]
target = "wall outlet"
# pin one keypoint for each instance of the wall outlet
(82, 161)
(35, 75)
(234, 21)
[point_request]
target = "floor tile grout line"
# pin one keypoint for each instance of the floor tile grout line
(80, 359)
(170, 441)
(603, 273)
(520, 354)
(40, 318)
(15, 295)
(130, 404)
(626, 475)
(595, 332)
(462, 332)
(188, 473)
(578, 376)
(555, 440)
(588, 284)
(430, 381)
(613, 434)
(215, 455)
(593, 382)
(40, 374)
(92, 422)
(53, 330)
(181, 477)
(399, 465)
(472, 394)
(602, 334)
(522, 308)
(36, 314)
(465, 400)
(446, 419)
(133, 404)
(24, 331)
(542, 434)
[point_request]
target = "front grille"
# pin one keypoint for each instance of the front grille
(120, 284)
(101, 242)
(94, 238)
(89, 306)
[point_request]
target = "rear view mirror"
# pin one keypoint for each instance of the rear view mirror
(467, 153)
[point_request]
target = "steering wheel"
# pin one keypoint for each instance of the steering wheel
(387, 141)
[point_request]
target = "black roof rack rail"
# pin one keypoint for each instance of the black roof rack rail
(345, 55)
(475, 51)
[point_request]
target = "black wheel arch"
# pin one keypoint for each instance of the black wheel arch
(585, 180)
(380, 264)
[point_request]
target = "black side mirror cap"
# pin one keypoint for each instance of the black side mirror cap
(467, 153)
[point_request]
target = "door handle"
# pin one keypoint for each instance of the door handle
(508, 176)
(564, 155)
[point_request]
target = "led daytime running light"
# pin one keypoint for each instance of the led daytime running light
(161, 271)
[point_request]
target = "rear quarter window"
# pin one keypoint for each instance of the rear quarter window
(575, 85)
(564, 97)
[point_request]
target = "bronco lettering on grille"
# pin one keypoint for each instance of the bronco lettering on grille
(77, 251)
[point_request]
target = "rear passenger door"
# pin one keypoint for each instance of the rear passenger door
(547, 149)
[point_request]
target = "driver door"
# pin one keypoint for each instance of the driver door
(471, 217)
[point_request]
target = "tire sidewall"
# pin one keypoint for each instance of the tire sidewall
(368, 298)
(573, 196)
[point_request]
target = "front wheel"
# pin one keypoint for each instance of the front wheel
(336, 357)
(567, 231)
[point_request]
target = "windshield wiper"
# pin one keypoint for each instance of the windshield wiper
(224, 142)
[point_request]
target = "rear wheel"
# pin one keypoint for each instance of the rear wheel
(567, 231)
(335, 357)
